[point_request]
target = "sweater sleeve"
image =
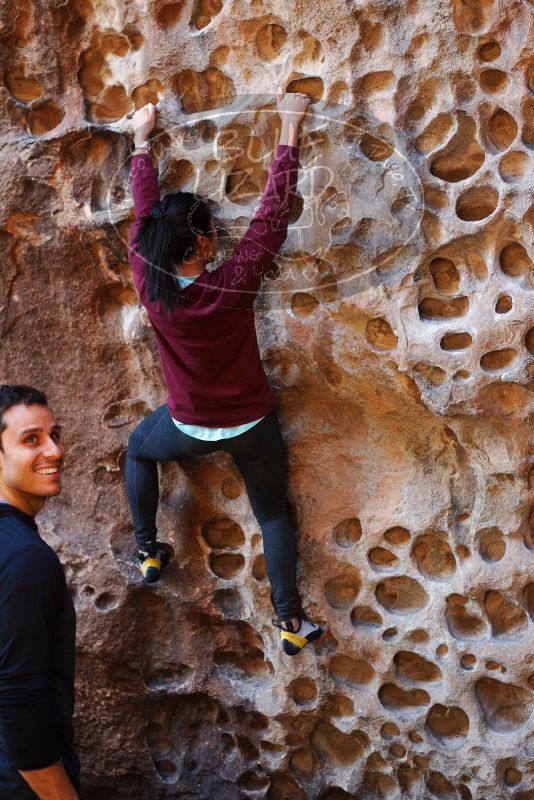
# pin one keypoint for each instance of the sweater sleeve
(268, 230)
(29, 590)
(145, 191)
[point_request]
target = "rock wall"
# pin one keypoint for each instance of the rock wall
(398, 332)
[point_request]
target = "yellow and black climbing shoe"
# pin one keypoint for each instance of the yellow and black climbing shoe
(153, 560)
(293, 642)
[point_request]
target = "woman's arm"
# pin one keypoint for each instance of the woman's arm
(145, 188)
(268, 230)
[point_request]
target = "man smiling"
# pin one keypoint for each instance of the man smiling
(37, 620)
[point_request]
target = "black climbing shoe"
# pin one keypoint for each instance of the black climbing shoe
(293, 642)
(153, 560)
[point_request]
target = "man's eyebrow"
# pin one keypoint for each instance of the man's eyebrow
(39, 430)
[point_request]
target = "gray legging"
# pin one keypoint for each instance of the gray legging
(259, 454)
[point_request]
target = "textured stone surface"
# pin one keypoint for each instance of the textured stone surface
(397, 330)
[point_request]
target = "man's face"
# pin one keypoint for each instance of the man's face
(32, 455)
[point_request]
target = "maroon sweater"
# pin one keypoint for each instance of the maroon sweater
(208, 345)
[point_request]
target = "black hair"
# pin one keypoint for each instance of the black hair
(166, 236)
(15, 395)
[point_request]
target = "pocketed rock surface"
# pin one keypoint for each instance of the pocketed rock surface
(397, 330)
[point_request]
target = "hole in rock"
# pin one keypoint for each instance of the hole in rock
(414, 667)
(514, 165)
(252, 663)
(463, 156)
(313, 87)
(379, 334)
(149, 92)
(231, 488)
(365, 616)
(22, 88)
(497, 360)
(202, 91)
(501, 129)
(113, 104)
(348, 532)
(527, 131)
(376, 82)
(395, 698)
(375, 148)
(114, 297)
(503, 304)
(228, 602)
(243, 185)
(168, 14)
(303, 304)
(204, 11)
(302, 691)
(44, 118)
(449, 724)
(515, 261)
(463, 624)
(284, 787)
(445, 275)
(350, 672)
(471, 17)
(433, 308)
(477, 265)
(226, 565)
(493, 81)
(335, 746)
(259, 571)
(461, 375)
(135, 38)
(529, 341)
(435, 134)
(434, 557)
(490, 51)
(166, 769)
(456, 341)
(506, 618)
(123, 412)
(106, 601)
(167, 677)
(477, 203)
(401, 594)
(311, 51)
(302, 761)
(179, 174)
(343, 590)
(504, 398)
(270, 41)
(252, 782)
(223, 533)
(491, 544)
(435, 376)
(382, 559)
(397, 535)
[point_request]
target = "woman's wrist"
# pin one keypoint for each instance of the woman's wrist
(141, 141)
(289, 133)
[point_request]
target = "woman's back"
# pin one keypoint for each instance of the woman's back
(207, 342)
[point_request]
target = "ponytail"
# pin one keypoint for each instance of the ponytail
(167, 236)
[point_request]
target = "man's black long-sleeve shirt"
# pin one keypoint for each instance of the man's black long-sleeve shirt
(37, 639)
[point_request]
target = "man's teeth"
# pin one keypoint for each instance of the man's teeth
(46, 470)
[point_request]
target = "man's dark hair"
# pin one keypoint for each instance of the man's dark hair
(15, 395)
(166, 236)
